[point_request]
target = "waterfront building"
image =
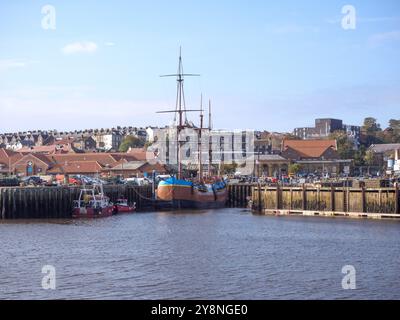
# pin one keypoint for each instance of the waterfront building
(271, 165)
(316, 156)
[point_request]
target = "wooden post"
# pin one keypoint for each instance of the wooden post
(2, 212)
(397, 199)
(304, 198)
(259, 198)
(332, 198)
(278, 191)
(363, 200)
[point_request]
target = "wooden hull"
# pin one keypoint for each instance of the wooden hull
(187, 197)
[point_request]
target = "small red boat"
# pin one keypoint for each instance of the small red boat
(121, 206)
(92, 203)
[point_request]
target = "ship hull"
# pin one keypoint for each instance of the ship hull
(90, 213)
(123, 209)
(187, 196)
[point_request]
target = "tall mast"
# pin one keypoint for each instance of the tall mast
(199, 141)
(209, 139)
(180, 108)
(209, 115)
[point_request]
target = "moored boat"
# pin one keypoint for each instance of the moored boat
(122, 206)
(92, 203)
(179, 192)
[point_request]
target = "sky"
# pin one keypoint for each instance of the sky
(265, 65)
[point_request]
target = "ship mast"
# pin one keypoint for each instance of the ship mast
(199, 141)
(180, 108)
(209, 139)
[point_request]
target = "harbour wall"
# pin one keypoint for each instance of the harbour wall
(332, 201)
(56, 202)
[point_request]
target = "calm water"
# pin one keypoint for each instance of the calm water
(217, 254)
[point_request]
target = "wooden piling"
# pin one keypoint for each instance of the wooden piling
(329, 199)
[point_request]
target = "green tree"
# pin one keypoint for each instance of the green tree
(228, 168)
(394, 124)
(345, 146)
(371, 125)
(294, 168)
(369, 158)
(371, 131)
(394, 129)
(359, 156)
(131, 142)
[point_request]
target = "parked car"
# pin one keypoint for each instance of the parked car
(33, 180)
(138, 181)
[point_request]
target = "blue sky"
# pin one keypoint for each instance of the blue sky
(265, 65)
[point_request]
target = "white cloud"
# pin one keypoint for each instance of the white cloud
(380, 38)
(80, 47)
(109, 44)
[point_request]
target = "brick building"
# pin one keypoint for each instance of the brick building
(316, 156)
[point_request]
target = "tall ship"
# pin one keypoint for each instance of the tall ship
(181, 191)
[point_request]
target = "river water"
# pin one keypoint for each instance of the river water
(215, 254)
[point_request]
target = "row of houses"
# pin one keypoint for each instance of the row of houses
(131, 164)
(108, 139)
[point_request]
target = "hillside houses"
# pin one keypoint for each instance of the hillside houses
(102, 140)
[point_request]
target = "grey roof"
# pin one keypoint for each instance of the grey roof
(270, 157)
(131, 165)
(382, 148)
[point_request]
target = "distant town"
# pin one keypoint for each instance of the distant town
(328, 149)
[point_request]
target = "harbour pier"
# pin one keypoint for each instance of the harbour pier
(373, 203)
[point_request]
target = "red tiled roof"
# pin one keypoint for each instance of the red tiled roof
(77, 167)
(8, 156)
(41, 157)
(309, 148)
(102, 158)
(50, 149)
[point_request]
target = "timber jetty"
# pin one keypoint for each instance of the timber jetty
(374, 203)
(56, 202)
